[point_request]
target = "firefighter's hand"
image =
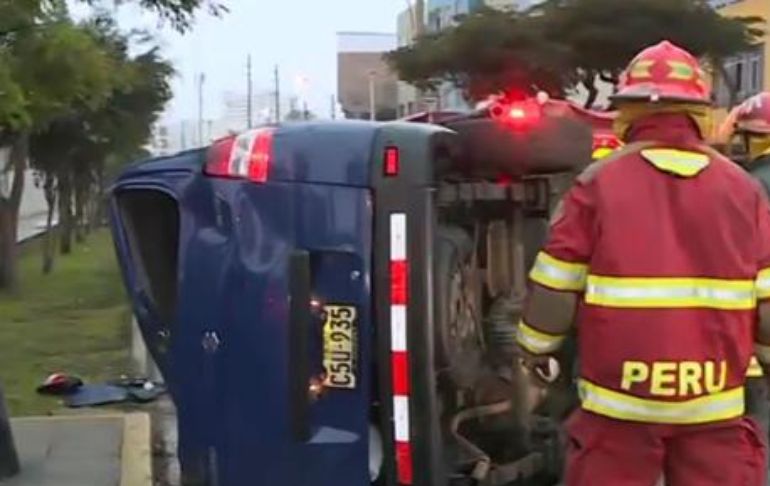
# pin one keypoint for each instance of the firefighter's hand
(543, 369)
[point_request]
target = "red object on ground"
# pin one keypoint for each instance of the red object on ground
(602, 451)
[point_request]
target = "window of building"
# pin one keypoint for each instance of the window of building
(745, 73)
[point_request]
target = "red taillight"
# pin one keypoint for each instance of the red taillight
(392, 161)
(218, 159)
(246, 156)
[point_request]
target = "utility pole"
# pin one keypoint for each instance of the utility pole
(372, 101)
(201, 80)
(249, 92)
(277, 95)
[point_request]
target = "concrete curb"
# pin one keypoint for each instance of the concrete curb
(136, 458)
(136, 447)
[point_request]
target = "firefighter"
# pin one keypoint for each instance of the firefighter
(660, 254)
(751, 120)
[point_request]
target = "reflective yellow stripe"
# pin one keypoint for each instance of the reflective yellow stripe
(762, 353)
(709, 408)
(601, 153)
(670, 293)
(641, 69)
(763, 283)
(679, 162)
(537, 342)
(755, 370)
(680, 70)
(557, 274)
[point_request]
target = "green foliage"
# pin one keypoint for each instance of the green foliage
(488, 51)
(179, 13)
(561, 43)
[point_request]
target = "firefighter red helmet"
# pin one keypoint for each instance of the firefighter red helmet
(754, 115)
(664, 72)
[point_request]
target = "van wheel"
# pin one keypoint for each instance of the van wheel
(457, 333)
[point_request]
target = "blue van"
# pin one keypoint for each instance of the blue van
(332, 303)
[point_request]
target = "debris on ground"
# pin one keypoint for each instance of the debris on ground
(78, 394)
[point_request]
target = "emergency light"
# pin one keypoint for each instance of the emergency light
(518, 114)
(244, 156)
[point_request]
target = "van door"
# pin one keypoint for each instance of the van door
(286, 382)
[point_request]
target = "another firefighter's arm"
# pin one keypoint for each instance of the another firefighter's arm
(559, 275)
(762, 336)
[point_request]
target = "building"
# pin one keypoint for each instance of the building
(365, 83)
(749, 72)
(409, 101)
(443, 14)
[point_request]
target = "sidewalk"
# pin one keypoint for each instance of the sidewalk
(83, 450)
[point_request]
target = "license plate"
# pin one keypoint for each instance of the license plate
(340, 336)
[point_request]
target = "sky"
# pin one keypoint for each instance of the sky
(297, 35)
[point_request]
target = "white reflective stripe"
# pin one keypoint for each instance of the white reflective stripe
(670, 292)
(537, 342)
(397, 236)
(398, 328)
(762, 352)
(709, 408)
(762, 283)
(554, 273)
(401, 418)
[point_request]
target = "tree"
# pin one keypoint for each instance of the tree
(486, 52)
(47, 65)
(562, 43)
(71, 152)
(603, 35)
(180, 13)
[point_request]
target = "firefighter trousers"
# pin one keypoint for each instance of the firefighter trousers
(607, 452)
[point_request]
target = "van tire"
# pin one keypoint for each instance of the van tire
(458, 337)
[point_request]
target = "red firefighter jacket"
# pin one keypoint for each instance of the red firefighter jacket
(668, 244)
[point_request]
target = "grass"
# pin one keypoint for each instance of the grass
(75, 320)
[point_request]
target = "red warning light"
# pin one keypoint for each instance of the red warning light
(518, 114)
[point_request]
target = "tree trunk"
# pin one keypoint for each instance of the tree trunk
(49, 188)
(9, 215)
(589, 82)
(64, 183)
(99, 214)
(81, 198)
